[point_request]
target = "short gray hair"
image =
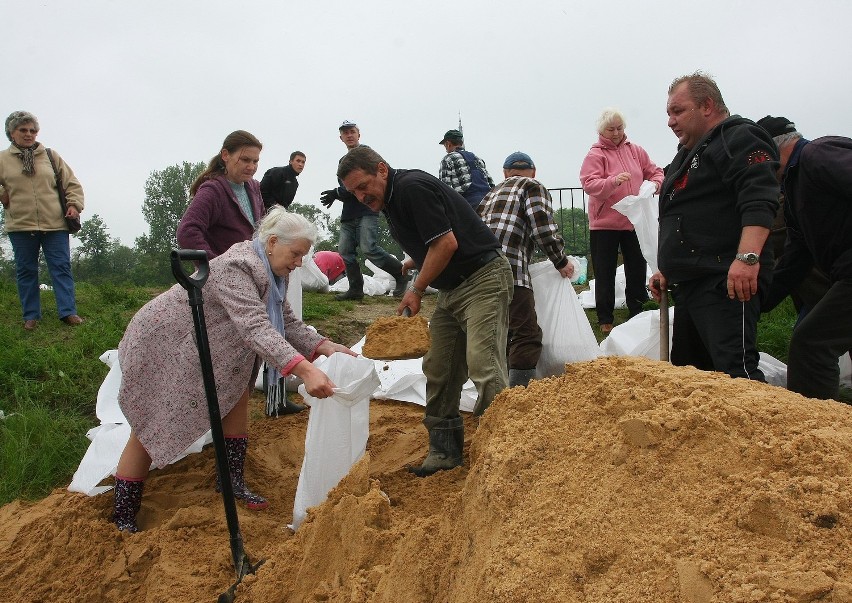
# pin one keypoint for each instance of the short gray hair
(18, 118)
(360, 158)
(608, 116)
(786, 138)
(287, 226)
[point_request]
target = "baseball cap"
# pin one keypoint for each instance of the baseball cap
(776, 126)
(347, 124)
(451, 135)
(518, 161)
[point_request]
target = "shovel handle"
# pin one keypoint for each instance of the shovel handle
(664, 323)
(190, 281)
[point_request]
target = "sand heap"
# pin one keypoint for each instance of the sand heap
(623, 480)
(397, 338)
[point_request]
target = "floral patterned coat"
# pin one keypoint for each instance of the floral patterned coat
(162, 391)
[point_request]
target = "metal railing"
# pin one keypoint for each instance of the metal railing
(573, 225)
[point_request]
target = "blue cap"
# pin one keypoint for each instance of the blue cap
(518, 161)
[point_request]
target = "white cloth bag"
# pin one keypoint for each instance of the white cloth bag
(566, 333)
(338, 428)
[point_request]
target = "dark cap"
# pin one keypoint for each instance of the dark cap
(347, 124)
(452, 135)
(776, 126)
(518, 161)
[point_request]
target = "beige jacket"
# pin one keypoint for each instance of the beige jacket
(34, 200)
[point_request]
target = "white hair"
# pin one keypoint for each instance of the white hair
(288, 227)
(785, 138)
(608, 116)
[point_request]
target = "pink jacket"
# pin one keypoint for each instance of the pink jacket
(604, 162)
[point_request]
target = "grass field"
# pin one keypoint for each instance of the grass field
(49, 378)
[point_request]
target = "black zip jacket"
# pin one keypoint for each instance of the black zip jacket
(725, 182)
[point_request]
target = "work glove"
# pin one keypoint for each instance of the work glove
(328, 197)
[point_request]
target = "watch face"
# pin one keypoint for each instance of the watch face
(749, 258)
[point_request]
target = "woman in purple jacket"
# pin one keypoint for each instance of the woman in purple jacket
(226, 201)
(613, 169)
(248, 320)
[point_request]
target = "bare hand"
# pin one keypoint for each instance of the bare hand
(742, 280)
(657, 285)
(622, 177)
(411, 301)
(567, 271)
(407, 265)
(329, 347)
(72, 212)
(317, 383)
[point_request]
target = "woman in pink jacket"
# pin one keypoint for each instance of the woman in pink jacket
(248, 320)
(614, 169)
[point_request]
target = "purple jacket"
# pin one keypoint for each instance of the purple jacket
(214, 220)
(604, 162)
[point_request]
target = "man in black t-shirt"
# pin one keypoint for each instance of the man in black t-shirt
(456, 253)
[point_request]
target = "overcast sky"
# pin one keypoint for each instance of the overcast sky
(125, 88)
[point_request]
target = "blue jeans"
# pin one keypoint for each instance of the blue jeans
(363, 233)
(469, 328)
(57, 253)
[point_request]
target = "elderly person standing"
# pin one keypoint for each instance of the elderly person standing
(613, 169)
(248, 320)
(35, 218)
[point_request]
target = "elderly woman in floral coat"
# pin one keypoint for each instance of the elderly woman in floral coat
(248, 320)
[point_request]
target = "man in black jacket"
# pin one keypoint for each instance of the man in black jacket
(816, 177)
(279, 184)
(717, 204)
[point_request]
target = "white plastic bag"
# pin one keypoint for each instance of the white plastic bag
(312, 277)
(338, 428)
(643, 211)
(566, 333)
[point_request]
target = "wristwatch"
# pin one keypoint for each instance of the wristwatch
(749, 258)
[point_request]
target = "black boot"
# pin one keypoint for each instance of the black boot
(394, 267)
(288, 407)
(520, 376)
(446, 442)
(128, 501)
(236, 451)
(356, 284)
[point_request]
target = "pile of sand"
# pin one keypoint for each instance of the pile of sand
(397, 338)
(623, 480)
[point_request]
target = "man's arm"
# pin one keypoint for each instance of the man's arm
(455, 173)
(742, 278)
(437, 258)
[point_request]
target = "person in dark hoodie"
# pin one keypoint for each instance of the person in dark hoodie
(279, 184)
(226, 202)
(225, 209)
(717, 204)
(816, 177)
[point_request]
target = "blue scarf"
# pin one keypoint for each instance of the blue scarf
(275, 310)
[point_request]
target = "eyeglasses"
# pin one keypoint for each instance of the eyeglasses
(27, 130)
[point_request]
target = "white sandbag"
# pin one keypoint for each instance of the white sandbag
(372, 285)
(404, 381)
(643, 211)
(566, 333)
(294, 292)
(313, 279)
(381, 276)
(106, 407)
(338, 428)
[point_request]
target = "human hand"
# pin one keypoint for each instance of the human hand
(72, 212)
(317, 383)
(567, 271)
(657, 285)
(329, 347)
(742, 280)
(622, 177)
(407, 265)
(328, 197)
(411, 302)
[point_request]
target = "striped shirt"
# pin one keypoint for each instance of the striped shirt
(520, 214)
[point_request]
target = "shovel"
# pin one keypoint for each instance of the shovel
(664, 324)
(193, 285)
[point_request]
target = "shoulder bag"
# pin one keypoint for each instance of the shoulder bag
(73, 224)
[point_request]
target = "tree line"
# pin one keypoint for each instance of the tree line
(101, 258)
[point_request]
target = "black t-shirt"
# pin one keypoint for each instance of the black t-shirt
(420, 208)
